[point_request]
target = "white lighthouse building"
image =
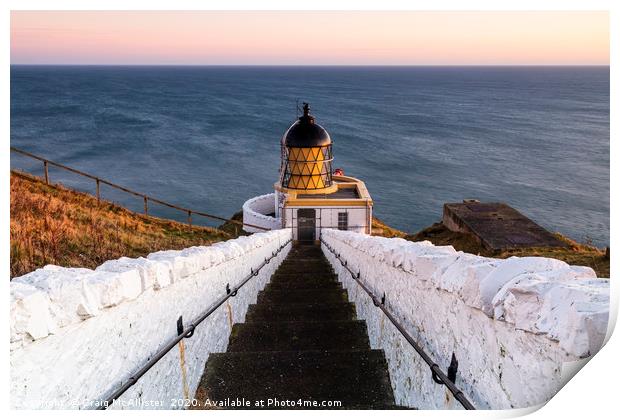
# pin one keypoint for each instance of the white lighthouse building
(310, 195)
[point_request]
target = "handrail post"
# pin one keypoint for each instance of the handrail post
(146, 206)
(47, 177)
(98, 192)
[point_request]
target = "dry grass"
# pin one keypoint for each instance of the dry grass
(574, 253)
(438, 234)
(234, 229)
(56, 225)
(379, 228)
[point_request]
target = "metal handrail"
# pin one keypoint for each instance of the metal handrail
(145, 197)
(184, 333)
(436, 372)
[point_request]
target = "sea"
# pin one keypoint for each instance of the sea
(208, 138)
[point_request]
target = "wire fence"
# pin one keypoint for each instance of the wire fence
(145, 197)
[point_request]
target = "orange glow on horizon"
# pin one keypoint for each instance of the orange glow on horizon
(306, 38)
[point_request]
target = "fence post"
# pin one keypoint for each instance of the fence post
(47, 177)
(98, 194)
(146, 206)
(189, 218)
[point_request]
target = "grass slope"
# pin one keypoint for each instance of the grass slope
(379, 228)
(56, 225)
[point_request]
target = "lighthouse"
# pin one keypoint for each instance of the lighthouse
(306, 151)
(310, 195)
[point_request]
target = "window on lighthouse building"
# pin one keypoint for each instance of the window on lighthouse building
(343, 221)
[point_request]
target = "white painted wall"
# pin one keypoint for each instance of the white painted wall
(358, 220)
(77, 333)
(255, 212)
(518, 327)
(328, 217)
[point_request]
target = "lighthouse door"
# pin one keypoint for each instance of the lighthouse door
(306, 224)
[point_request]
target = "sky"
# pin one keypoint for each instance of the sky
(310, 38)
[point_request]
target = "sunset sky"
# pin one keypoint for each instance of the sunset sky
(310, 38)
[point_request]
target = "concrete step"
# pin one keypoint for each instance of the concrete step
(299, 335)
(306, 269)
(301, 312)
(292, 284)
(293, 257)
(305, 264)
(277, 297)
(316, 256)
(306, 249)
(306, 252)
(277, 277)
(303, 273)
(356, 379)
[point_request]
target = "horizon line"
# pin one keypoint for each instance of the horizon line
(303, 65)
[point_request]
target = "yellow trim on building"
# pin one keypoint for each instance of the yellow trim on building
(340, 182)
(326, 202)
(328, 190)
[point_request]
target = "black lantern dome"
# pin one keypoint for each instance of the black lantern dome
(306, 156)
(306, 133)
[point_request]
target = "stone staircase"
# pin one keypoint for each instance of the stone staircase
(300, 342)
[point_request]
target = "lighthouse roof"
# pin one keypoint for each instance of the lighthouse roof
(306, 133)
